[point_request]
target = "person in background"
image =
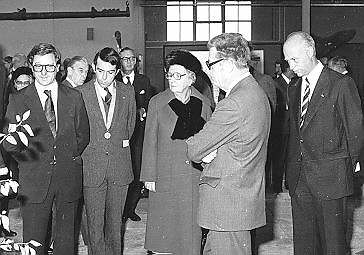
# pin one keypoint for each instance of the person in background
(77, 69)
(141, 85)
(22, 77)
(173, 116)
(107, 167)
(326, 136)
(280, 127)
(338, 64)
(232, 195)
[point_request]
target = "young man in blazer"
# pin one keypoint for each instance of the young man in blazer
(107, 164)
(50, 168)
(326, 131)
(141, 85)
(234, 143)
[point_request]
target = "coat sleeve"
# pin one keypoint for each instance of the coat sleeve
(219, 130)
(82, 125)
(150, 145)
(351, 115)
(131, 112)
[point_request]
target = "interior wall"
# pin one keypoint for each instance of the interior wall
(70, 35)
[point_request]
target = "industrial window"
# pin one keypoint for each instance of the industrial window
(201, 20)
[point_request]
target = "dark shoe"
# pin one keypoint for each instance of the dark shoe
(134, 217)
(7, 233)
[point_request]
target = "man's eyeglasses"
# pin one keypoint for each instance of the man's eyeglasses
(176, 76)
(130, 59)
(48, 68)
(210, 64)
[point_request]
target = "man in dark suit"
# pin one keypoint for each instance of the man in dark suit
(326, 132)
(234, 143)
(141, 86)
(280, 126)
(107, 164)
(50, 169)
(77, 69)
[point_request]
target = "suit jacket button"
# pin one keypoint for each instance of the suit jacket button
(107, 153)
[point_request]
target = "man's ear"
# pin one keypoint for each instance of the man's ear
(69, 70)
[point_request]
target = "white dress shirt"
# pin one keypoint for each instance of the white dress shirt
(131, 76)
(312, 77)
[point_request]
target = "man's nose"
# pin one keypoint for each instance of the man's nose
(44, 71)
(104, 75)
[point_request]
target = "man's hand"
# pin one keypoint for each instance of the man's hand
(150, 186)
(207, 159)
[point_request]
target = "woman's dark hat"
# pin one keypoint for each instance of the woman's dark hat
(183, 58)
(20, 71)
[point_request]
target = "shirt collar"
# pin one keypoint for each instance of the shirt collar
(314, 75)
(235, 82)
(71, 82)
(40, 88)
(102, 91)
(288, 80)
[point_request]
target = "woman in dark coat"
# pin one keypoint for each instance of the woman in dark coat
(174, 115)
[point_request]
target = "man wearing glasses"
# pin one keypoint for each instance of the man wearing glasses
(107, 162)
(233, 143)
(77, 70)
(141, 85)
(50, 168)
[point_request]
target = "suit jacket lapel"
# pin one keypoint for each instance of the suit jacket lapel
(32, 100)
(118, 101)
(95, 105)
(318, 97)
(295, 98)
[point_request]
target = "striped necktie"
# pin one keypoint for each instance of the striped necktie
(50, 113)
(305, 101)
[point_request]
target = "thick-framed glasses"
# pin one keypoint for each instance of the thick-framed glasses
(130, 59)
(210, 64)
(176, 76)
(48, 68)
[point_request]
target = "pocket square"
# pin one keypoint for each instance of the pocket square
(142, 92)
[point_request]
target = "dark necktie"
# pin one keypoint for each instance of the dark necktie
(107, 101)
(128, 78)
(50, 113)
(305, 102)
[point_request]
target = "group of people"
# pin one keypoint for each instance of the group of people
(204, 165)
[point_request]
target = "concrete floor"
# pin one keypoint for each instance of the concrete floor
(273, 239)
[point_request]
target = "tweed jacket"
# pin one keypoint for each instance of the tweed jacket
(232, 187)
(109, 158)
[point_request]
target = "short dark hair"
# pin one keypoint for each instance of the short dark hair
(127, 48)
(44, 49)
(108, 55)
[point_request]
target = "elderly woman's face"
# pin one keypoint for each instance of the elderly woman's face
(179, 79)
(22, 81)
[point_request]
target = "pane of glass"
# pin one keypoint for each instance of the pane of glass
(186, 13)
(215, 29)
(172, 13)
(186, 3)
(202, 32)
(231, 12)
(186, 31)
(245, 12)
(172, 31)
(245, 29)
(231, 27)
(202, 13)
(215, 13)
